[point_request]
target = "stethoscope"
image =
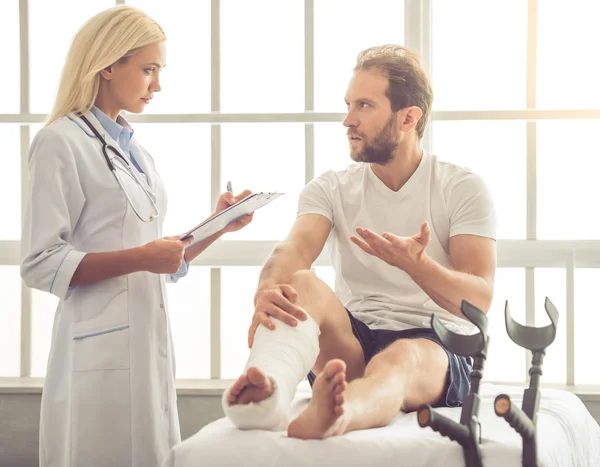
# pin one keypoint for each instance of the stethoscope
(135, 176)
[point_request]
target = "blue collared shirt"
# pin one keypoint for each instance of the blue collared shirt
(122, 134)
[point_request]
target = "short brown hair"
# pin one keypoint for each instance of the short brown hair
(408, 83)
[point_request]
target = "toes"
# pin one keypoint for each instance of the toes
(333, 367)
(239, 385)
(340, 388)
(338, 410)
(236, 389)
(233, 395)
(339, 378)
(338, 399)
(257, 378)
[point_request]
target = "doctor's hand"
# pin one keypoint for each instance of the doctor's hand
(227, 199)
(277, 301)
(402, 252)
(163, 256)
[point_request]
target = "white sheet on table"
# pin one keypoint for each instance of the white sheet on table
(567, 436)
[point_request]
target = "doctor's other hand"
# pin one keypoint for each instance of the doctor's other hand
(163, 256)
(227, 199)
(277, 301)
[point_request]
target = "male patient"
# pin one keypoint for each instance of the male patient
(409, 236)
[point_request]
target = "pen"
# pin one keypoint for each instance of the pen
(229, 187)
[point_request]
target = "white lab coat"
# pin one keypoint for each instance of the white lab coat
(109, 397)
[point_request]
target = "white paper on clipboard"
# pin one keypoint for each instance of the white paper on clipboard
(227, 216)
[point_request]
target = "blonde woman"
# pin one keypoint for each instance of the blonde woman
(93, 237)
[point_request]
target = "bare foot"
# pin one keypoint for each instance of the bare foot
(254, 386)
(324, 415)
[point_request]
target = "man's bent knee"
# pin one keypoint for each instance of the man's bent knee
(303, 281)
(401, 356)
(314, 296)
(420, 367)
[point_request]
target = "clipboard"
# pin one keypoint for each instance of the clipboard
(240, 209)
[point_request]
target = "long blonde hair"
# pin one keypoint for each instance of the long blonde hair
(109, 36)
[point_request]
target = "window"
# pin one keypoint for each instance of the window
(9, 78)
(587, 322)
(342, 29)
(10, 182)
(506, 361)
(472, 69)
(551, 283)
(189, 316)
(185, 81)
(236, 317)
(570, 52)
(568, 157)
(253, 93)
(262, 61)
(265, 157)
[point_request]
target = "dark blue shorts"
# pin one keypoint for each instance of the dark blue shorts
(374, 341)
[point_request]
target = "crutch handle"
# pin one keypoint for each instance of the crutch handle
(443, 425)
(514, 416)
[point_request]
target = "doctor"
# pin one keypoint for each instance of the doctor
(93, 237)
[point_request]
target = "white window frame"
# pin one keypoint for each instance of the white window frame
(529, 253)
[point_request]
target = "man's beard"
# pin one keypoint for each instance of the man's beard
(380, 149)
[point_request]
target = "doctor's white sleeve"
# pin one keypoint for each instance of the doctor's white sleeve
(55, 202)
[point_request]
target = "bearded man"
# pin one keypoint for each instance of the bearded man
(409, 235)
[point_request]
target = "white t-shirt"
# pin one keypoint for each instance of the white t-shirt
(452, 199)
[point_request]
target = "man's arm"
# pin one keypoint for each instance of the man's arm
(275, 297)
(473, 260)
(298, 251)
(472, 278)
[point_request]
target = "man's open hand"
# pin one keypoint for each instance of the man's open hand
(402, 252)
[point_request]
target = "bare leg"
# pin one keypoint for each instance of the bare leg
(406, 374)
